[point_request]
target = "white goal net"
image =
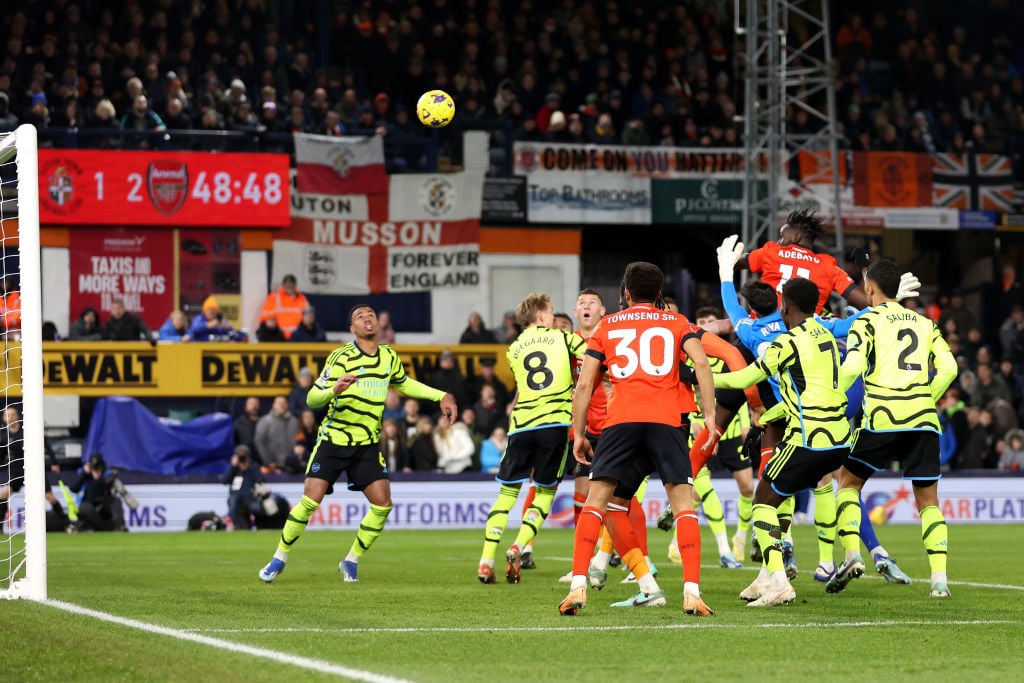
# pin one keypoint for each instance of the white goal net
(22, 470)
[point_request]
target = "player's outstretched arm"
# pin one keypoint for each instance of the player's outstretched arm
(752, 374)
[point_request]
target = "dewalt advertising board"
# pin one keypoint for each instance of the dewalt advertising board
(224, 369)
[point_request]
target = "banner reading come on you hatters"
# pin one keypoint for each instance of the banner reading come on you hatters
(422, 234)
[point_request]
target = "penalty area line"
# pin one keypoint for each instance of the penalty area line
(317, 665)
(624, 627)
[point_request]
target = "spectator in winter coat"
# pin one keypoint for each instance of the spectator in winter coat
(309, 330)
(87, 327)
(123, 325)
(275, 435)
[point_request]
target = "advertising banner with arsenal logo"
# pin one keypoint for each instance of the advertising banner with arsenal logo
(424, 233)
(85, 187)
(134, 265)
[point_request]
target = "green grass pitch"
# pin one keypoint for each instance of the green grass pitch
(419, 614)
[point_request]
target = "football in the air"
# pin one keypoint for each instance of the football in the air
(435, 108)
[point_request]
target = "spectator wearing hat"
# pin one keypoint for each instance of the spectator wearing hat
(552, 103)
(209, 324)
(286, 305)
(245, 120)
(603, 132)
(557, 128)
(270, 117)
(235, 94)
(39, 113)
(309, 330)
(382, 108)
(365, 123)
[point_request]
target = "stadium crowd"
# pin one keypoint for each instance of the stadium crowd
(926, 78)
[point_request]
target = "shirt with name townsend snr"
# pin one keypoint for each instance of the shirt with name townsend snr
(640, 348)
(354, 416)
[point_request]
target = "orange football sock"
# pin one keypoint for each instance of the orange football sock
(578, 501)
(530, 495)
(638, 520)
(617, 521)
(688, 538)
(697, 458)
(765, 454)
(606, 541)
(587, 532)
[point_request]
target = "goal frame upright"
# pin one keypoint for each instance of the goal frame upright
(33, 585)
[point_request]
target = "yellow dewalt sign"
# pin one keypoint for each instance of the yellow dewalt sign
(224, 369)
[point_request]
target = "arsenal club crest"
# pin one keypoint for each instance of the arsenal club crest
(167, 184)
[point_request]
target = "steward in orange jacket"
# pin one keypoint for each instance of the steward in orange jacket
(286, 304)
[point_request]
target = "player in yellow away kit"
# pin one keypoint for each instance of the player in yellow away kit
(353, 384)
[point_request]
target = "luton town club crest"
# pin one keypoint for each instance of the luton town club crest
(167, 184)
(437, 196)
(341, 162)
(62, 186)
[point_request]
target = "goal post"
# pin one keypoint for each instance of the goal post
(23, 545)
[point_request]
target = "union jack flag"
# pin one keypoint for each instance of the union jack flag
(973, 181)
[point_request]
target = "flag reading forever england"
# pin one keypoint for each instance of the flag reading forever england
(340, 165)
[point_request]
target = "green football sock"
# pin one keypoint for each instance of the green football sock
(785, 514)
(935, 537)
(825, 521)
(298, 517)
(769, 536)
(848, 520)
(535, 516)
(370, 528)
(745, 508)
(497, 518)
(709, 501)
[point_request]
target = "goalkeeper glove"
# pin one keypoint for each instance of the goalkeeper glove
(910, 286)
(729, 253)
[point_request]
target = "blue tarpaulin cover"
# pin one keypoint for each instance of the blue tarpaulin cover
(130, 437)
